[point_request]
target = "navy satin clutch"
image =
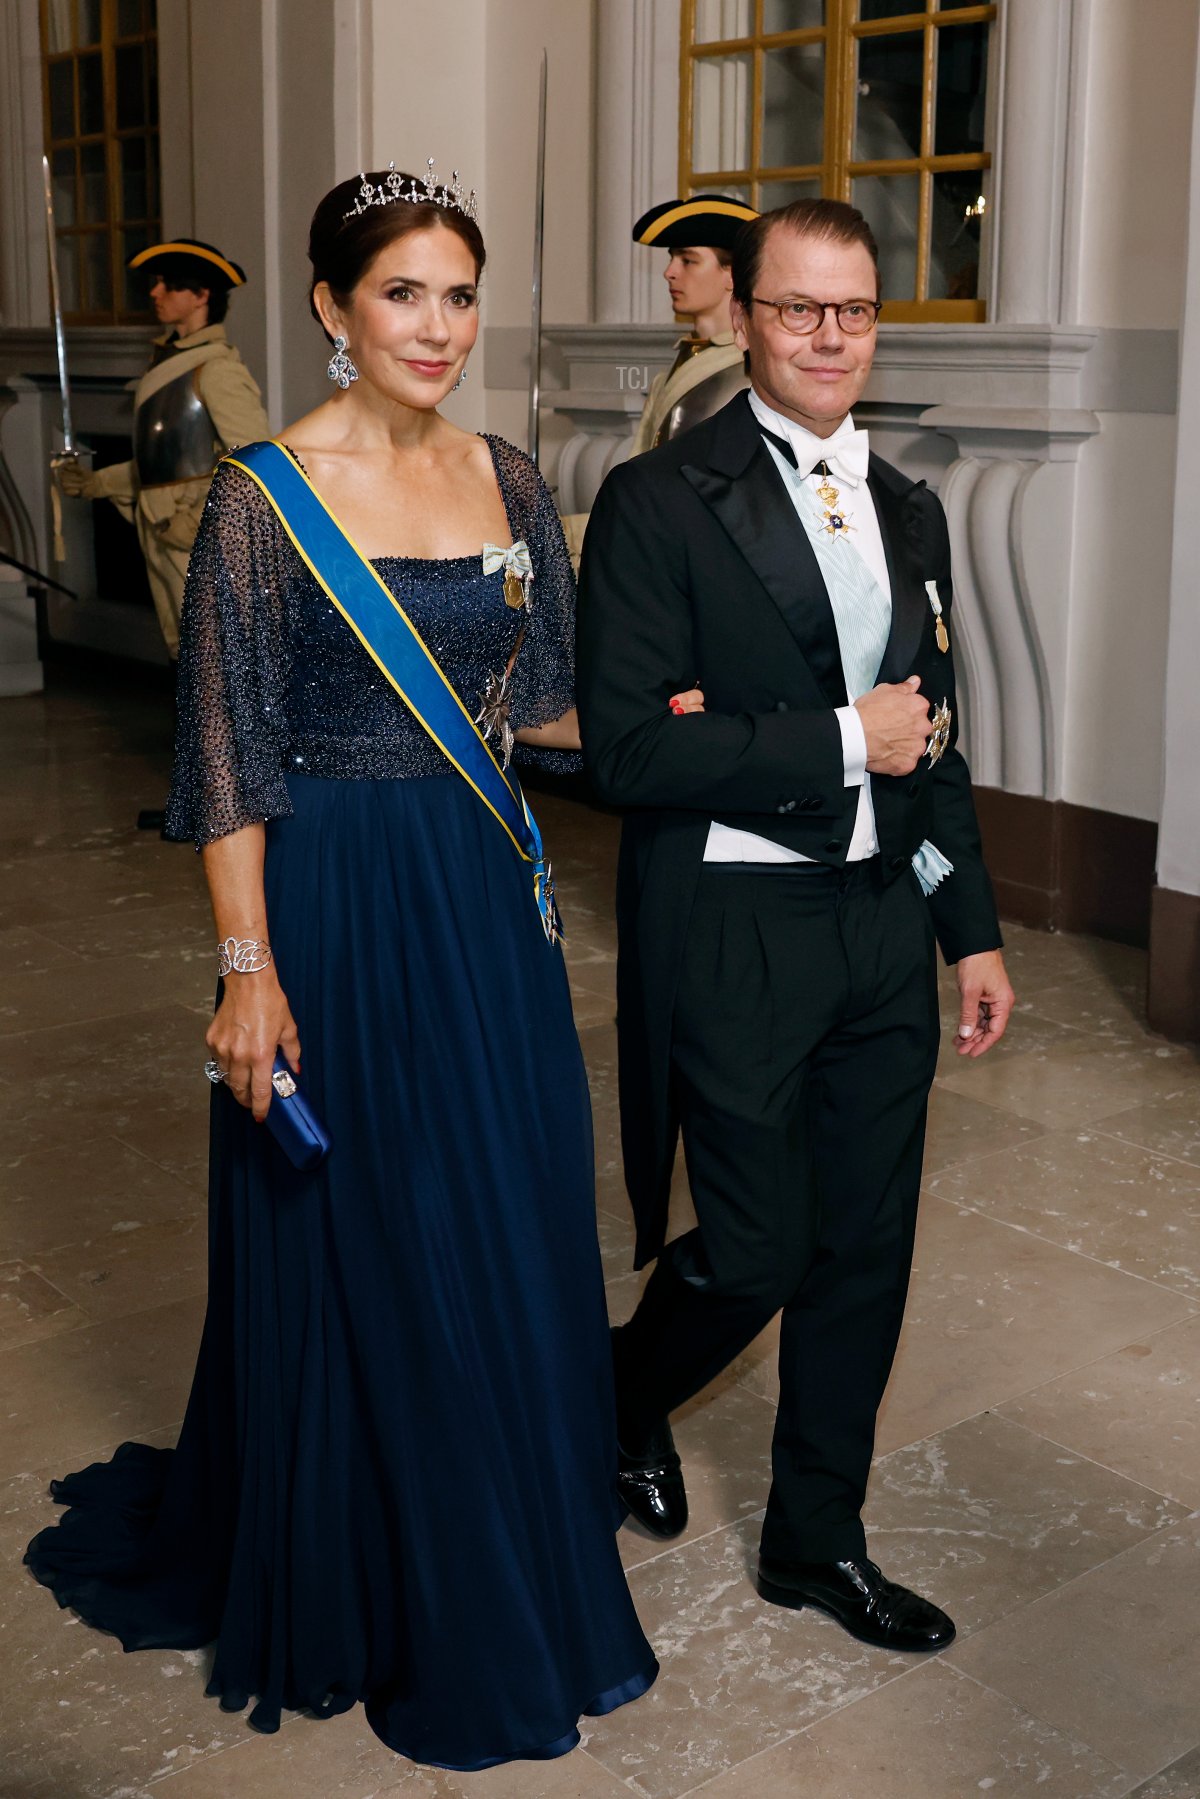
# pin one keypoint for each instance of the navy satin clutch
(292, 1122)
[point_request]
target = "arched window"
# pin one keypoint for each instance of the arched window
(100, 114)
(879, 102)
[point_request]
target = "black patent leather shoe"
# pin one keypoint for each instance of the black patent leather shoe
(651, 1484)
(872, 1608)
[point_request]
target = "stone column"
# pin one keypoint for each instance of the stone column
(636, 152)
(1174, 997)
(1032, 170)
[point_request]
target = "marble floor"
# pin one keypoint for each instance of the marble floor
(1039, 1452)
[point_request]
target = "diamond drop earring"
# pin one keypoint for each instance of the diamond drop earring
(460, 381)
(341, 370)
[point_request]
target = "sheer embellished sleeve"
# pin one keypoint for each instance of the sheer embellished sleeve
(543, 677)
(231, 732)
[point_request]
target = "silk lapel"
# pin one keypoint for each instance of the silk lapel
(743, 489)
(899, 526)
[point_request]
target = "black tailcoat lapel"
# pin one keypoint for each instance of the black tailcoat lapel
(900, 528)
(742, 486)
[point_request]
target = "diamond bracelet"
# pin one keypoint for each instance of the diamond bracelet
(243, 955)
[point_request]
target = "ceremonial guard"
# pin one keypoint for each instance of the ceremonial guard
(195, 401)
(708, 370)
(790, 854)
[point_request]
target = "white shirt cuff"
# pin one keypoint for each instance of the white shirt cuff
(854, 745)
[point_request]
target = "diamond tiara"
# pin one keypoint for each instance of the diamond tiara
(451, 195)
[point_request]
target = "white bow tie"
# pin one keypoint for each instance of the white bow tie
(846, 454)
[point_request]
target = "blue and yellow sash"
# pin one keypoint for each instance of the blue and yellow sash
(395, 645)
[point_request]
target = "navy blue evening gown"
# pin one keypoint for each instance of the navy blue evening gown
(395, 1481)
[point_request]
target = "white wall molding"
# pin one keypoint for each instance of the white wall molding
(1026, 433)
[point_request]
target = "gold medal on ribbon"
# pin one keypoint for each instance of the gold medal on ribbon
(941, 635)
(514, 589)
(517, 569)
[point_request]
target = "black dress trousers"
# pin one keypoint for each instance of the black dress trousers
(804, 1044)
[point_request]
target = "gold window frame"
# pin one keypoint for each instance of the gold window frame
(114, 225)
(840, 35)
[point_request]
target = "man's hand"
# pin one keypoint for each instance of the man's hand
(896, 722)
(985, 1002)
(72, 479)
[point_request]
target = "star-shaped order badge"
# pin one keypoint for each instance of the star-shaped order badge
(493, 716)
(939, 738)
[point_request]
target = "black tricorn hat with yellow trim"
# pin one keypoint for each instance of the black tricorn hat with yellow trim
(706, 219)
(184, 260)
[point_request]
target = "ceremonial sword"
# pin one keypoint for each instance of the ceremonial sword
(60, 343)
(535, 323)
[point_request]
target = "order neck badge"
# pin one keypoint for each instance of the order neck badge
(834, 519)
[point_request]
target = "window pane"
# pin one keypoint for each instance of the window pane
(793, 106)
(954, 235)
(792, 15)
(153, 191)
(720, 19)
(961, 89)
(62, 99)
(729, 193)
(781, 193)
(97, 273)
(59, 31)
(95, 184)
(133, 284)
(953, 5)
(133, 178)
(891, 9)
(721, 113)
(62, 168)
(91, 95)
(129, 18)
(68, 273)
(87, 22)
(891, 76)
(131, 86)
(890, 204)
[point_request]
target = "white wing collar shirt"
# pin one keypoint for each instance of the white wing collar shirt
(845, 455)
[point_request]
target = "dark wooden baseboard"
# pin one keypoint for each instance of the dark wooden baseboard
(1059, 867)
(1174, 996)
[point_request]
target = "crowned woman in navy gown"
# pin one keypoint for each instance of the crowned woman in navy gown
(395, 1480)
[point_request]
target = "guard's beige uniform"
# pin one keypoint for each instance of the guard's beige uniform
(696, 361)
(167, 514)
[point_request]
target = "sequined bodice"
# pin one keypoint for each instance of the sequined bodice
(273, 681)
(344, 716)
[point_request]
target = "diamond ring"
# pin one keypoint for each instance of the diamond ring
(215, 1072)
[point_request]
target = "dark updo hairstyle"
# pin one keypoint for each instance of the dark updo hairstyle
(341, 249)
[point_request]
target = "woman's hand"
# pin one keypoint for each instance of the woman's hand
(683, 703)
(251, 1023)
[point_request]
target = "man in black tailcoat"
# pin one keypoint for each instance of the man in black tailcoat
(789, 856)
